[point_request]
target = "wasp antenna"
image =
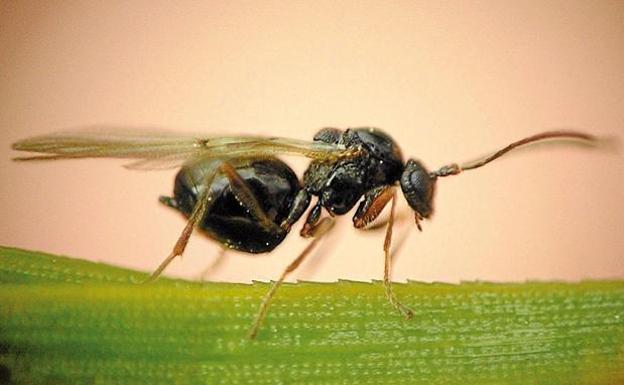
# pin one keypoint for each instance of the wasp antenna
(577, 136)
(609, 143)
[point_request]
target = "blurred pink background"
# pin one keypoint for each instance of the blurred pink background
(449, 80)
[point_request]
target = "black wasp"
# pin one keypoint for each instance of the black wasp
(240, 194)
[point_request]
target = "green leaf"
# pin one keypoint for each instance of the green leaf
(66, 321)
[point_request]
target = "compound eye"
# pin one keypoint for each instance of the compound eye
(418, 188)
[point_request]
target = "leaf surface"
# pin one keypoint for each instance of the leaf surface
(67, 321)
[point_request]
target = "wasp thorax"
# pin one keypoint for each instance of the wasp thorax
(340, 184)
(418, 187)
(343, 189)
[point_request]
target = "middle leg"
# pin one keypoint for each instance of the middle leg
(317, 233)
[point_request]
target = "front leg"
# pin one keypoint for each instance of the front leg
(373, 204)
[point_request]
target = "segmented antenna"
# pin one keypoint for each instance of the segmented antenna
(454, 168)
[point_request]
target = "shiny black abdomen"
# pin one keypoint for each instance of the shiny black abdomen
(272, 182)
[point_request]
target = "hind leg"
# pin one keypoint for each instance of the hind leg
(203, 204)
(205, 200)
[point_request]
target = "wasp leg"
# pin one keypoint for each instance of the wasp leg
(404, 310)
(241, 191)
(312, 221)
(300, 204)
(380, 225)
(317, 232)
(247, 198)
(204, 202)
(373, 204)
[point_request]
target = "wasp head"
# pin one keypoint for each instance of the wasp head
(418, 186)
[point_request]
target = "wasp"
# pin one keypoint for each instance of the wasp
(237, 191)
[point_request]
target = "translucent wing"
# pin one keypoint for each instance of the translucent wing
(152, 149)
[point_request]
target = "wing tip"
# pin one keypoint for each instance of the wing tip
(19, 145)
(34, 157)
